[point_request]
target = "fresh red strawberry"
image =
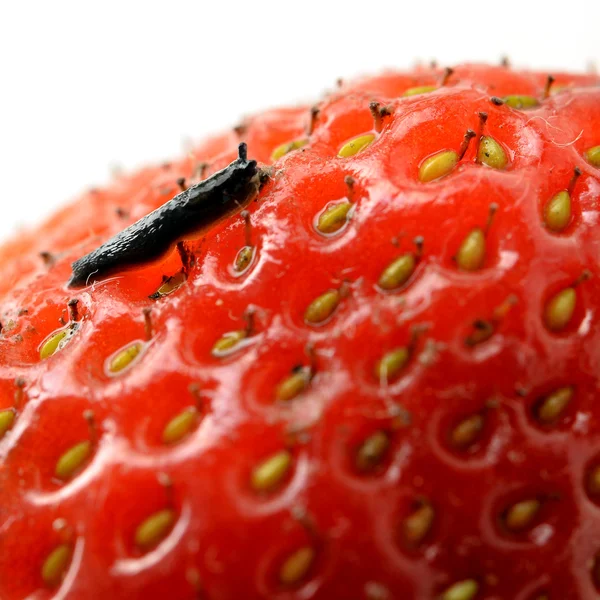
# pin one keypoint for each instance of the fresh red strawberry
(380, 383)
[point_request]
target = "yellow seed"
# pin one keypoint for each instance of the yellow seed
(371, 451)
(288, 147)
(225, 345)
(50, 346)
(269, 474)
(463, 590)
(389, 366)
(356, 145)
(397, 273)
(521, 102)
(321, 308)
(438, 165)
(125, 357)
(7, 418)
(418, 524)
(56, 564)
(70, 462)
(466, 432)
(521, 515)
(491, 153)
(170, 285)
(593, 481)
(296, 566)
(154, 529)
(243, 259)
(334, 217)
(552, 406)
(557, 213)
(422, 89)
(471, 254)
(293, 385)
(180, 425)
(560, 309)
(593, 156)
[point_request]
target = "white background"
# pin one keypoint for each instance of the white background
(86, 85)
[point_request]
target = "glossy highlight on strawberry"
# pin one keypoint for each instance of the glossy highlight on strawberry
(377, 381)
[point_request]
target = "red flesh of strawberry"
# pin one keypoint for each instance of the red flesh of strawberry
(429, 506)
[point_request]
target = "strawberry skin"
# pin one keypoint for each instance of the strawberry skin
(317, 418)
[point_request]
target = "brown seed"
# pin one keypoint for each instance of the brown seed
(520, 516)
(296, 566)
(372, 451)
(418, 524)
(552, 406)
(593, 481)
(467, 432)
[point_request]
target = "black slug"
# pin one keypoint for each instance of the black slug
(151, 236)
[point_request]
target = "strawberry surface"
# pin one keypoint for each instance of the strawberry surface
(426, 430)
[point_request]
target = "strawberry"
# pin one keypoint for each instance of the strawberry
(379, 380)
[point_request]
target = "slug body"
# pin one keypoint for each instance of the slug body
(151, 236)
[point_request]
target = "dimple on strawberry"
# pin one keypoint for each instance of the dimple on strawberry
(371, 373)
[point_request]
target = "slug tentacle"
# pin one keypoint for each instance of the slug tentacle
(198, 206)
